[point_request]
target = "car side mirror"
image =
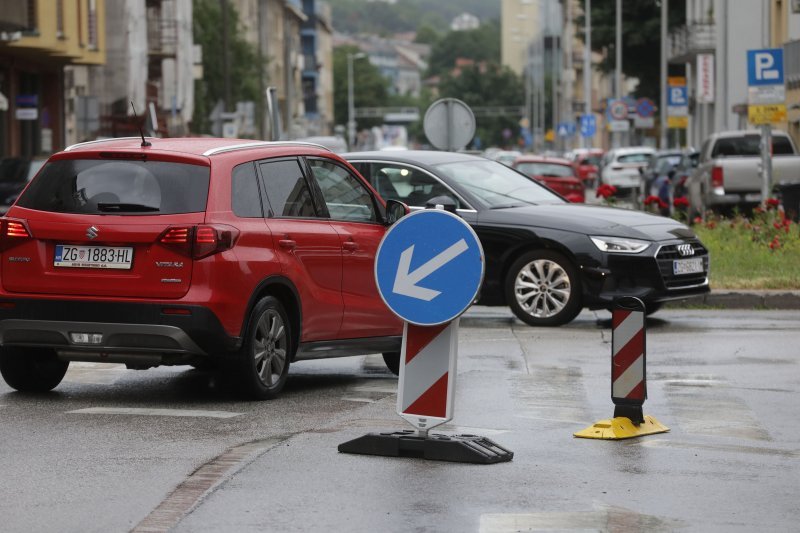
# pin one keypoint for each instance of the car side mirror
(447, 203)
(395, 210)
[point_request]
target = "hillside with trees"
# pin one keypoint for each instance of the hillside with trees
(383, 18)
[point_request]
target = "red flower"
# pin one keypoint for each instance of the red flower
(777, 225)
(775, 243)
(698, 220)
(711, 224)
(757, 210)
(662, 204)
(605, 190)
(652, 199)
(772, 203)
(681, 201)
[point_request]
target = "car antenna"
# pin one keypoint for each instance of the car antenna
(141, 131)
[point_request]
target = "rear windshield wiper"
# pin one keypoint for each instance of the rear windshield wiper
(126, 207)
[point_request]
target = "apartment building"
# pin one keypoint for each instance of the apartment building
(38, 38)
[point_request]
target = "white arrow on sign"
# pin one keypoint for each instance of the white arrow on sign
(405, 282)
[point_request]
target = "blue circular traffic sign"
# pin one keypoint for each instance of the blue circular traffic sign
(645, 107)
(429, 267)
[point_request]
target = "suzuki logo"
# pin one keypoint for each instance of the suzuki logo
(91, 232)
(685, 249)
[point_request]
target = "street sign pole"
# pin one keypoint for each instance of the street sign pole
(766, 162)
(428, 270)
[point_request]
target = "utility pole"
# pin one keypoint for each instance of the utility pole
(663, 92)
(587, 66)
(618, 75)
(226, 83)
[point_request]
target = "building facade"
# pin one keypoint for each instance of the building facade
(316, 42)
(38, 39)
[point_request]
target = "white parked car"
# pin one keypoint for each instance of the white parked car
(621, 168)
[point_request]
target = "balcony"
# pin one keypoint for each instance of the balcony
(688, 41)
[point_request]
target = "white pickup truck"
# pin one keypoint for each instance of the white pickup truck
(729, 172)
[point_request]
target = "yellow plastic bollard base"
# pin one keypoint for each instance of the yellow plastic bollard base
(622, 428)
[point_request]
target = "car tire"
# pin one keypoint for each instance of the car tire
(262, 365)
(392, 360)
(31, 369)
(543, 289)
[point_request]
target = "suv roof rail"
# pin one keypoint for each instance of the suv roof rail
(110, 139)
(261, 144)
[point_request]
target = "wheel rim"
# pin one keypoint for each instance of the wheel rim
(269, 348)
(542, 288)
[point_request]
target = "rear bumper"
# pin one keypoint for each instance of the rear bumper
(125, 328)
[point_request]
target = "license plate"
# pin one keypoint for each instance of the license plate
(687, 266)
(115, 257)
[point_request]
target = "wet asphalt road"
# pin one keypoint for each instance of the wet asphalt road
(166, 449)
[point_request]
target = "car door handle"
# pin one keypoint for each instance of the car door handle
(287, 243)
(350, 246)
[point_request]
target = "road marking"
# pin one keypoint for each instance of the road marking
(200, 484)
(94, 373)
(605, 519)
(154, 412)
(732, 448)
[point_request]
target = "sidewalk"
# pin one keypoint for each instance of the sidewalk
(743, 299)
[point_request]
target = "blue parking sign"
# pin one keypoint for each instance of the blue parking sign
(588, 125)
(765, 67)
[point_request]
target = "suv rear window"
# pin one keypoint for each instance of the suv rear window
(750, 145)
(93, 186)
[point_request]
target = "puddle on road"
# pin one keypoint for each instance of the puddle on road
(703, 405)
(730, 448)
(551, 393)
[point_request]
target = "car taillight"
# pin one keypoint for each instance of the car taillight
(717, 177)
(13, 232)
(198, 242)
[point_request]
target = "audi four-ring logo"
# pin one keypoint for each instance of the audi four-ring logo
(685, 249)
(91, 232)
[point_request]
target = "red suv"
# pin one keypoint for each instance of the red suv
(245, 255)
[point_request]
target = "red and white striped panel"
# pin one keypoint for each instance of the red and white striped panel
(427, 375)
(627, 357)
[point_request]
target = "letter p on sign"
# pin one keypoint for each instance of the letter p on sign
(764, 64)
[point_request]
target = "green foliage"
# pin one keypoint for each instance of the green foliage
(761, 252)
(427, 34)
(245, 65)
(370, 88)
(641, 38)
(491, 85)
(361, 16)
(482, 44)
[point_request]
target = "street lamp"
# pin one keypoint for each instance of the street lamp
(351, 112)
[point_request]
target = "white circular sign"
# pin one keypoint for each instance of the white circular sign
(449, 124)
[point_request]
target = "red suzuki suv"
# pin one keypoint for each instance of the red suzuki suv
(246, 255)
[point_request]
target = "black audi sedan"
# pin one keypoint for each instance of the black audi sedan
(546, 258)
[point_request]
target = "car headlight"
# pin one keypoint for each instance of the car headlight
(620, 245)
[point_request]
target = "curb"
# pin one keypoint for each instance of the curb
(742, 299)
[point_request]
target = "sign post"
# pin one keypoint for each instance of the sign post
(628, 377)
(766, 98)
(429, 269)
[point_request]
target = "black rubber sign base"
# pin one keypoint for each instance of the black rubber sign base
(434, 447)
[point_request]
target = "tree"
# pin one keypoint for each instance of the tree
(370, 88)
(641, 38)
(245, 64)
(481, 44)
(427, 34)
(487, 85)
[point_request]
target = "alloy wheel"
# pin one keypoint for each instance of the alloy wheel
(542, 288)
(269, 347)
